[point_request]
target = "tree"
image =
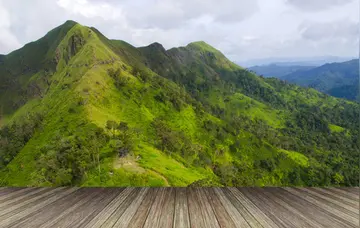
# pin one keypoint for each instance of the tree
(111, 126)
(123, 126)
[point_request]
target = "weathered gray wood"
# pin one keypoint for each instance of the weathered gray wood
(250, 219)
(100, 218)
(139, 218)
(335, 212)
(234, 214)
(14, 193)
(74, 212)
(178, 207)
(276, 213)
(347, 209)
(196, 217)
(338, 197)
(51, 211)
(349, 195)
(181, 216)
(108, 196)
(307, 211)
(7, 191)
(111, 221)
(168, 207)
(16, 208)
(22, 199)
(206, 209)
(56, 194)
(126, 217)
(253, 209)
(222, 216)
(153, 218)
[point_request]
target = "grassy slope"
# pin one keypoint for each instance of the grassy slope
(105, 102)
(81, 75)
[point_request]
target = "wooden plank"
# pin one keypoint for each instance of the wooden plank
(18, 206)
(348, 191)
(22, 199)
(354, 190)
(222, 216)
(168, 207)
(234, 214)
(196, 218)
(306, 210)
(206, 209)
(57, 194)
(111, 221)
(346, 208)
(6, 191)
(109, 196)
(126, 217)
(139, 218)
(338, 197)
(323, 204)
(279, 215)
(153, 218)
(50, 211)
(100, 218)
(14, 194)
(179, 207)
(250, 219)
(181, 216)
(74, 212)
(253, 209)
(342, 193)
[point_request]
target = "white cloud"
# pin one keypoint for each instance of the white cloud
(315, 5)
(8, 40)
(241, 29)
(91, 10)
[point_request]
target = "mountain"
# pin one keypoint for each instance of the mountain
(295, 61)
(336, 79)
(80, 109)
(277, 71)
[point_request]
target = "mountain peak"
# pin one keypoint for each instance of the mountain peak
(157, 45)
(70, 22)
(202, 45)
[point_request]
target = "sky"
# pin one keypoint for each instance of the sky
(241, 29)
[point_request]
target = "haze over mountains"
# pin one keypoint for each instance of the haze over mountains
(80, 109)
(295, 61)
(278, 71)
(336, 79)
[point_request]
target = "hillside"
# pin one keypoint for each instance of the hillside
(278, 71)
(336, 79)
(80, 109)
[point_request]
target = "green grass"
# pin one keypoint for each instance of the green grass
(335, 128)
(297, 157)
(175, 173)
(81, 93)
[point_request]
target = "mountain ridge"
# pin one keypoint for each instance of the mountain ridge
(332, 78)
(111, 114)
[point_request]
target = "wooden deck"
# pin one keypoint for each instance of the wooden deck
(179, 207)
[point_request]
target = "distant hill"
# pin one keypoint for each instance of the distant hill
(336, 79)
(274, 70)
(294, 61)
(79, 109)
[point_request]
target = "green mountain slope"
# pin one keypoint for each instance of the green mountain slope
(110, 114)
(336, 79)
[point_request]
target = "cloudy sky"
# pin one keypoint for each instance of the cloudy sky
(242, 29)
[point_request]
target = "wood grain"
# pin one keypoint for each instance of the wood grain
(136, 207)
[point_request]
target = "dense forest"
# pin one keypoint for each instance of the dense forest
(80, 109)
